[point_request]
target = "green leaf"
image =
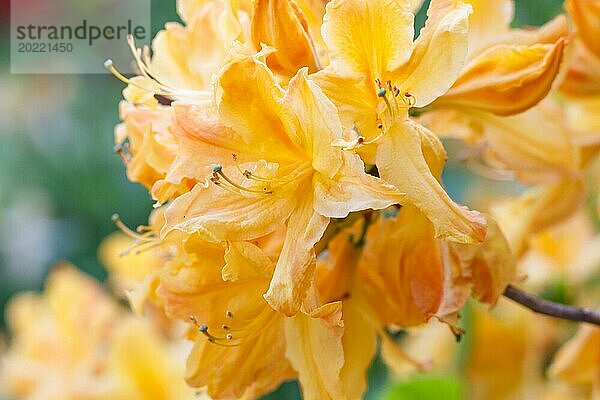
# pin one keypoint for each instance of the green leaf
(425, 387)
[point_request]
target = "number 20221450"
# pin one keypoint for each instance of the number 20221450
(45, 47)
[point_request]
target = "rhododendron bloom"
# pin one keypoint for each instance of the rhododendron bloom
(374, 82)
(272, 163)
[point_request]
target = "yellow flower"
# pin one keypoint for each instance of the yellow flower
(507, 71)
(420, 278)
(243, 348)
(269, 161)
(73, 342)
(374, 81)
(185, 58)
(581, 85)
(578, 361)
(283, 26)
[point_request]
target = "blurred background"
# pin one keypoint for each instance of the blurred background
(60, 181)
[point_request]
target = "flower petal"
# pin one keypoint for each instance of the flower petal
(352, 189)
(317, 123)
(507, 79)
(217, 214)
(439, 53)
(314, 348)
(249, 101)
(586, 16)
(405, 286)
(282, 25)
(358, 32)
(577, 361)
(401, 160)
(490, 19)
(491, 266)
(296, 265)
(249, 370)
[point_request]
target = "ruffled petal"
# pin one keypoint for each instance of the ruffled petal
(352, 189)
(439, 53)
(295, 268)
(314, 348)
(282, 25)
(401, 160)
(216, 214)
(317, 123)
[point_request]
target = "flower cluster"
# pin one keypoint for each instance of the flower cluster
(293, 152)
(74, 342)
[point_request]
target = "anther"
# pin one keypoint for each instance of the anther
(381, 92)
(217, 168)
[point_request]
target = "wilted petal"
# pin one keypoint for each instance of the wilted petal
(404, 286)
(490, 266)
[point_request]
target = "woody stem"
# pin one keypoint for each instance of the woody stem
(550, 308)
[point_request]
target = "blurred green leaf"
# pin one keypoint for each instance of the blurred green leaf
(423, 387)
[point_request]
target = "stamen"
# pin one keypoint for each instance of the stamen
(218, 174)
(146, 237)
(250, 175)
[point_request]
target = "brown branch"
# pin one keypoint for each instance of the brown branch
(552, 309)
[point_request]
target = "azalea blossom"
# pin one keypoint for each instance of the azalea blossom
(374, 82)
(269, 161)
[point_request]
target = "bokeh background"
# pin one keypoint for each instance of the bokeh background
(60, 180)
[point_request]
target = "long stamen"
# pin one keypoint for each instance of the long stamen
(146, 237)
(109, 65)
(218, 173)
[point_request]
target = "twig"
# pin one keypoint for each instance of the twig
(552, 309)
